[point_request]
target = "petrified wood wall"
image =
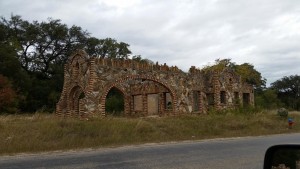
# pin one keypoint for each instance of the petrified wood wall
(148, 89)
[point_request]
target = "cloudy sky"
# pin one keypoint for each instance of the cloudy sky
(264, 33)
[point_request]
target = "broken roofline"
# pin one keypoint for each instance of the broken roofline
(195, 91)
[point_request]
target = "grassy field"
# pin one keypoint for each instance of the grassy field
(45, 132)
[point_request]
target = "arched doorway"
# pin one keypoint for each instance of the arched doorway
(75, 101)
(114, 104)
(143, 96)
(149, 97)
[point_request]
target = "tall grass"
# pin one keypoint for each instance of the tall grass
(42, 132)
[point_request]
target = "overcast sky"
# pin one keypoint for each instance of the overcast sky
(264, 33)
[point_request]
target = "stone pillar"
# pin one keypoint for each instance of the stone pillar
(131, 104)
(216, 85)
(174, 104)
(81, 112)
(127, 105)
(162, 105)
(200, 101)
(58, 111)
(145, 104)
(92, 76)
(241, 101)
(102, 106)
(203, 105)
(252, 100)
(230, 94)
(69, 110)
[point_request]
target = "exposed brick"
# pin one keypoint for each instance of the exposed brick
(87, 81)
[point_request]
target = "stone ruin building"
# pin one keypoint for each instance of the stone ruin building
(147, 89)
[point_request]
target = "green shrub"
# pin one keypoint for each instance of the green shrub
(282, 112)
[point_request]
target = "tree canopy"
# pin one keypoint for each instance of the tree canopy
(32, 55)
(108, 47)
(247, 71)
(288, 90)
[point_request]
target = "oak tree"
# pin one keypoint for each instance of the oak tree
(288, 90)
(32, 55)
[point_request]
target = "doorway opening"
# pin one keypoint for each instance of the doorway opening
(114, 104)
(246, 99)
(76, 96)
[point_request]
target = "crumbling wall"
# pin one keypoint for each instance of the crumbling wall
(148, 89)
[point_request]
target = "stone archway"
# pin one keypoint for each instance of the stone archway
(75, 96)
(114, 103)
(94, 77)
(104, 97)
(166, 98)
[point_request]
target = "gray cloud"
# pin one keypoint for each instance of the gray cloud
(265, 33)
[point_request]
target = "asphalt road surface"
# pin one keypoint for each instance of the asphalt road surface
(233, 153)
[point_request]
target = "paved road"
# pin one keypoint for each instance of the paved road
(234, 153)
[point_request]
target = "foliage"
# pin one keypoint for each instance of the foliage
(7, 96)
(250, 75)
(44, 132)
(247, 71)
(282, 112)
(138, 58)
(104, 48)
(219, 65)
(288, 91)
(41, 45)
(267, 98)
(32, 55)
(114, 104)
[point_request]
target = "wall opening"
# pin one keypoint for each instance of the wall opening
(168, 101)
(153, 104)
(149, 97)
(75, 95)
(141, 97)
(210, 99)
(196, 95)
(114, 104)
(223, 97)
(138, 103)
(236, 98)
(246, 99)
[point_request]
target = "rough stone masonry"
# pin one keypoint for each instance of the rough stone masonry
(147, 89)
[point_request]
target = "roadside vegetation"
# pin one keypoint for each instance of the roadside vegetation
(44, 132)
(33, 54)
(32, 57)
